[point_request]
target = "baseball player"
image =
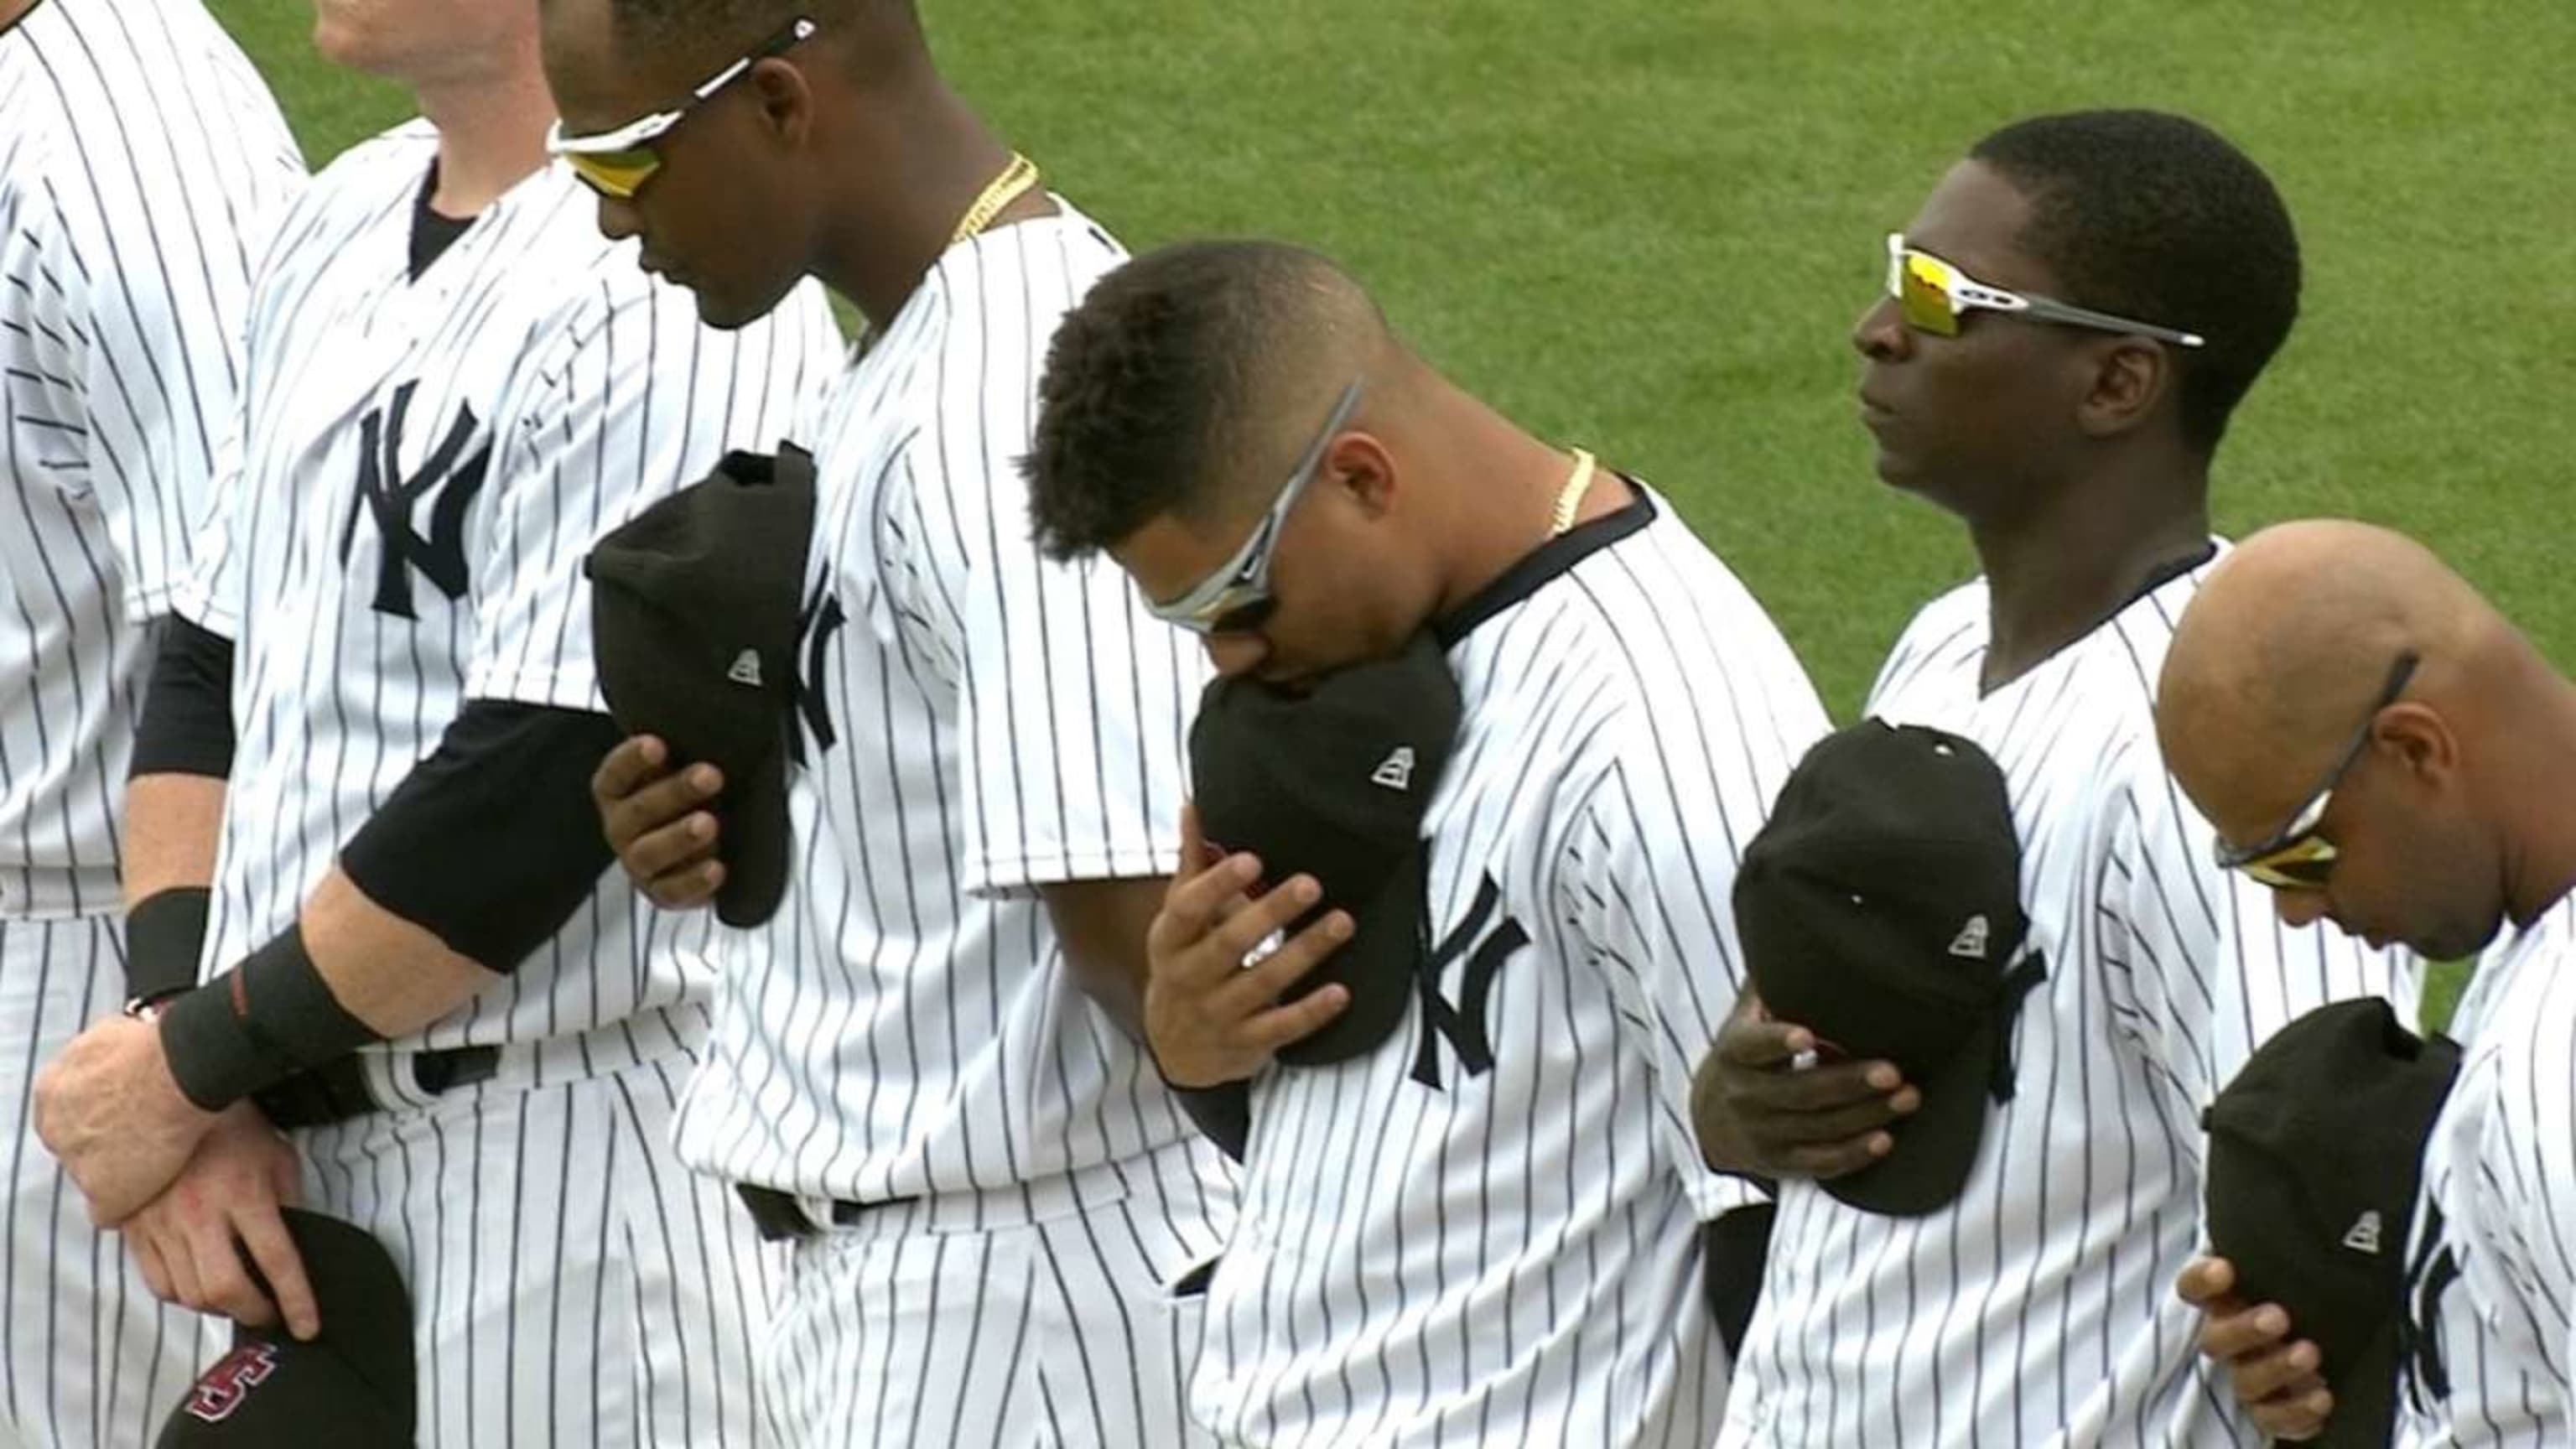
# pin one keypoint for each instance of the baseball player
(2384, 751)
(997, 1209)
(1484, 1229)
(2073, 315)
(417, 959)
(141, 166)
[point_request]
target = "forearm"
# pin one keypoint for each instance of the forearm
(478, 858)
(1101, 925)
(394, 975)
(174, 806)
(172, 824)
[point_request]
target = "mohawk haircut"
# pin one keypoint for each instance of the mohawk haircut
(2153, 216)
(1167, 369)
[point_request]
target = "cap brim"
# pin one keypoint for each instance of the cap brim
(1936, 1147)
(754, 840)
(1380, 965)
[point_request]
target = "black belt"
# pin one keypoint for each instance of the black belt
(338, 1091)
(782, 1219)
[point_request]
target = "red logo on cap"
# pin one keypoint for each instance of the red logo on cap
(220, 1390)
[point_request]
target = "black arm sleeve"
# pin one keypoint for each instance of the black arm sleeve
(491, 843)
(187, 725)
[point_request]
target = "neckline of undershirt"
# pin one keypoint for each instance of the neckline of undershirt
(432, 231)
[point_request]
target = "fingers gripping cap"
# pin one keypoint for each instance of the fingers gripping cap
(1880, 907)
(355, 1383)
(1332, 781)
(695, 607)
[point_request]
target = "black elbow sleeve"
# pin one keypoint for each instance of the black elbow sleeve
(187, 725)
(491, 843)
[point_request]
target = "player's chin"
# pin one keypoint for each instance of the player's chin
(725, 314)
(729, 309)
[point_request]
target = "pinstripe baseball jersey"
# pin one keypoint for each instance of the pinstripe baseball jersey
(975, 721)
(2491, 1273)
(141, 162)
(424, 462)
(1486, 1230)
(2038, 1309)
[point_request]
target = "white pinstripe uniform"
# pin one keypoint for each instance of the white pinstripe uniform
(2038, 1309)
(976, 722)
(1486, 1230)
(140, 162)
(2491, 1274)
(425, 463)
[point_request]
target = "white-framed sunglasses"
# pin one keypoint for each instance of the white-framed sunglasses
(1933, 294)
(1235, 597)
(617, 163)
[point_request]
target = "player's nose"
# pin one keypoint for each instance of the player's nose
(1879, 334)
(1236, 654)
(2299, 908)
(617, 219)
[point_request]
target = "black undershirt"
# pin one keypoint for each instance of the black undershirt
(431, 233)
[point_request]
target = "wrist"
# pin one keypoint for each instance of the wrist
(255, 1025)
(163, 935)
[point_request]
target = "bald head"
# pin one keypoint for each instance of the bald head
(1189, 382)
(2282, 653)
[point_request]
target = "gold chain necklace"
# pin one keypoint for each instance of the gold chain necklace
(1570, 497)
(1001, 191)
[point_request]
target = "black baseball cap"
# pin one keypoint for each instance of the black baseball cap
(1880, 908)
(694, 612)
(1331, 780)
(2315, 1153)
(354, 1383)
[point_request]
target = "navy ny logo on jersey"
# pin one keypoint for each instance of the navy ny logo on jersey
(1486, 943)
(390, 499)
(816, 624)
(2429, 1276)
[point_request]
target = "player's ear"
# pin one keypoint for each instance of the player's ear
(786, 100)
(2127, 378)
(1360, 467)
(2418, 737)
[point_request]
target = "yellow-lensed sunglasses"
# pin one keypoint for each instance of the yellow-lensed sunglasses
(1932, 295)
(617, 163)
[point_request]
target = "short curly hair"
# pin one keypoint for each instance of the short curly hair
(2157, 217)
(1166, 369)
(656, 25)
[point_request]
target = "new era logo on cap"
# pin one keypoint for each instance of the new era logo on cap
(2364, 1234)
(1971, 940)
(1395, 772)
(746, 668)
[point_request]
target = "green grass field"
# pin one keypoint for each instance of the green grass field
(1647, 228)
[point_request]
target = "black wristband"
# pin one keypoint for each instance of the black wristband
(163, 938)
(256, 1025)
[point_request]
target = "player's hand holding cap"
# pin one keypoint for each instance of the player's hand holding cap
(1880, 907)
(694, 605)
(1332, 781)
(2315, 1153)
(353, 1384)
